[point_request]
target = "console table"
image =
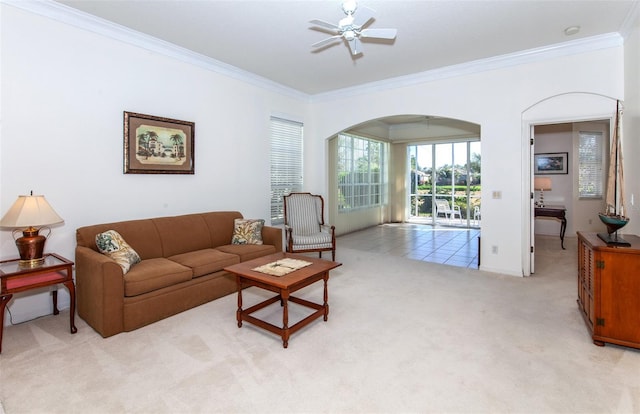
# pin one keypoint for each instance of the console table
(558, 212)
(54, 270)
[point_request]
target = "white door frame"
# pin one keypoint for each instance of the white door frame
(561, 108)
(532, 233)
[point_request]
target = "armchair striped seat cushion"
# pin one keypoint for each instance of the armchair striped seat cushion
(313, 241)
(304, 224)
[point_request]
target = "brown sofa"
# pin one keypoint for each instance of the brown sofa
(181, 267)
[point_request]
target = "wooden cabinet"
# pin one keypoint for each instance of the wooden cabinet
(609, 289)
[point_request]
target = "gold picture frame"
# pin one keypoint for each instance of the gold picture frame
(156, 145)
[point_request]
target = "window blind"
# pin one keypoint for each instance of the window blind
(590, 165)
(286, 163)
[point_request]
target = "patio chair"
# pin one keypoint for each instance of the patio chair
(476, 214)
(443, 207)
(304, 226)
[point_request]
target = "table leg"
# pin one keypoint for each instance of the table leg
(563, 228)
(326, 297)
(239, 311)
(54, 295)
(72, 311)
(4, 299)
(284, 296)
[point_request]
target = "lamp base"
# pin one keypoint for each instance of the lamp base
(30, 246)
(31, 263)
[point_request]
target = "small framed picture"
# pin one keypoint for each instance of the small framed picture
(155, 145)
(551, 163)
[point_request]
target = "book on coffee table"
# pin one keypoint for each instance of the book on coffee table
(282, 267)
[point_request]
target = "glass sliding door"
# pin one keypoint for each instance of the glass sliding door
(445, 183)
(444, 188)
(421, 171)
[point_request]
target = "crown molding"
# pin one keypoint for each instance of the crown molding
(68, 15)
(578, 46)
(85, 21)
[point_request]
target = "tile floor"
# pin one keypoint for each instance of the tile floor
(448, 245)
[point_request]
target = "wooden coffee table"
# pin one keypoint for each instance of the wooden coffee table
(283, 286)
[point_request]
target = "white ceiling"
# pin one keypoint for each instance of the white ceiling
(272, 38)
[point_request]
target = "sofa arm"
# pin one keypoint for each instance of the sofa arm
(272, 236)
(99, 291)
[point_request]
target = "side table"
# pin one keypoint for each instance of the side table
(15, 278)
(558, 212)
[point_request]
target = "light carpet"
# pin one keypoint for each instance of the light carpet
(402, 336)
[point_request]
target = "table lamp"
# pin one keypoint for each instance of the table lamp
(542, 184)
(30, 213)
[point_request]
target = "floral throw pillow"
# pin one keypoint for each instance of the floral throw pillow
(247, 231)
(111, 243)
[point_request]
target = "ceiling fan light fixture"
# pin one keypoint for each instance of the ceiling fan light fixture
(352, 28)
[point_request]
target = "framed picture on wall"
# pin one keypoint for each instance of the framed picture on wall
(155, 145)
(551, 163)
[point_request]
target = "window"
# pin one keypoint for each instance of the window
(286, 163)
(590, 165)
(361, 168)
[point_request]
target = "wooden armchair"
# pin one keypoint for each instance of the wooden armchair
(304, 226)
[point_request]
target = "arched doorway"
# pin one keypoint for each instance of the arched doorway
(403, 132)
(563, 108)
(399, 134)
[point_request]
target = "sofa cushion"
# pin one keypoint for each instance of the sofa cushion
(247, 231)
(153, 274)
(220, 225)
(248, 251)
(111, 243)
(182, 234)
(206, 261)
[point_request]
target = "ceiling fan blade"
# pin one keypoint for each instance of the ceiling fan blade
(362, 16)
(380, 33)
(324, 24)
(326, 41)
(355, 45)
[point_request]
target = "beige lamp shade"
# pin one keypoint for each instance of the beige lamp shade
(30, 211)
(542, 183)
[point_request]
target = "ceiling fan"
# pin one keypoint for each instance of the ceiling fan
(351, 28)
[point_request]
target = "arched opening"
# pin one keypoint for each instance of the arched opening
(549, 116)
(406, 184)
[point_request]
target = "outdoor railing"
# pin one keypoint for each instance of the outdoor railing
(422, 208)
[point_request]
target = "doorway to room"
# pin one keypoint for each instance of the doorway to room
(570, 191)
(445, 183)
(571, 107)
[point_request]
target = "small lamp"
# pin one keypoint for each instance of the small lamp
(30, 213)
(542, 184)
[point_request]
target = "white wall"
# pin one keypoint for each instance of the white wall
(631, 123)
(496, 100)
(64, 91)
